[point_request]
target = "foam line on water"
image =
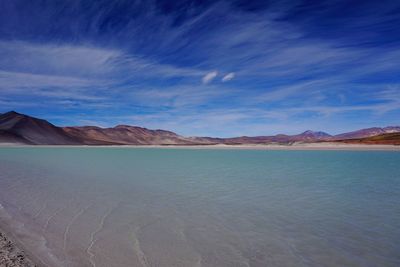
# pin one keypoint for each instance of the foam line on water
(93, 235)
(138, 249)
(68, 227)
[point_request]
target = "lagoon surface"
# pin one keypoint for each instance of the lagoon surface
(202, 207)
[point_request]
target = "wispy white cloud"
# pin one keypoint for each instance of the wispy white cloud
(52, 59)
(179, 96)
(286, 91)
(86, 62)
(209, 77)
(228, 77)
(10, 80)
(29, 86)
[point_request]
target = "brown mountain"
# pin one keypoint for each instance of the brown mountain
(307, 136)
(20, 128)
(383, 139)
(127, 135)
(367, 132)
(24, 129)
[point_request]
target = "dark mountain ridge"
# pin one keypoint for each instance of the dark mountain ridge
(20, 128)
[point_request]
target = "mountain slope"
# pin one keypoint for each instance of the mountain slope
(383, 139)
(307, 136)
(128, 135)
(19, 128)
(367, 132)
(23, 129)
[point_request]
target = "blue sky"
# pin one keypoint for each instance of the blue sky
(214, 68)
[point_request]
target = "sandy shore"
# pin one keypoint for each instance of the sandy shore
(295, 146)
(298, 146)
(11, 255)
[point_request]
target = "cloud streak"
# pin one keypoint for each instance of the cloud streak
(209, 77)
(228, 77)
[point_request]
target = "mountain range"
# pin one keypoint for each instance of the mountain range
(23, 129)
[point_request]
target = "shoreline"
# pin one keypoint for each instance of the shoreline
(17, 244)
(296, 146)
(12, 254)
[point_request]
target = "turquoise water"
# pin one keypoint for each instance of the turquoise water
(202, 207)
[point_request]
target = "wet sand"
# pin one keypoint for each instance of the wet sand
(11, 255)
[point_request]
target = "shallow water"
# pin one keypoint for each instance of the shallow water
(187, 207)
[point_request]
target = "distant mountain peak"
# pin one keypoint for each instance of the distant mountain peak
(21, 128)
(310, 132)
(316, 134)
(13, 113)
(125, 126)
